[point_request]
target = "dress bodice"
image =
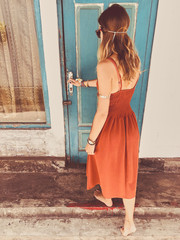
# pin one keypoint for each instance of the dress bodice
(120, 100)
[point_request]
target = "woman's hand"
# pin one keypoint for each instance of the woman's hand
(90, 149)
(74, 82)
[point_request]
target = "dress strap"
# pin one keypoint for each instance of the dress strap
(113, 61)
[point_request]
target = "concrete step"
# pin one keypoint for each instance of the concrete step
(87, 229)
(83, 210)
(46, 194)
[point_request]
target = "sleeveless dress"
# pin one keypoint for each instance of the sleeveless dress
(114, 165)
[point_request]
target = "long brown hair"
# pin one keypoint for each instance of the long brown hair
(115, 18)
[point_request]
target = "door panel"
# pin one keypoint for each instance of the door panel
(85, 19)
(80, 56)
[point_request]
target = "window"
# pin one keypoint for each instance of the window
(23, 92)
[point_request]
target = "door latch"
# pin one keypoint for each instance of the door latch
(67, 102)
(69, 85)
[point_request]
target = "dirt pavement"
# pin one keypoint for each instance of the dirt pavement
(54, 204)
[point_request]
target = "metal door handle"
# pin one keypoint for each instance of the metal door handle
(69, 85)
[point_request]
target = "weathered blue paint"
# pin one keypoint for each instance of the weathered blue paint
(25, 126)
(80, 58)
(42, 61)
(70, 112)
(150, 37)
(63, 76)
(44, 79)
(86, 36)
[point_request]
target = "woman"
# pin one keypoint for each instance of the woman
(113, 143)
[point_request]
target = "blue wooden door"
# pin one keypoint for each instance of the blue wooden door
(77, 21)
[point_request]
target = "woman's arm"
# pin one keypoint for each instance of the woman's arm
(92, 83)
(104, 83)
(97, 125)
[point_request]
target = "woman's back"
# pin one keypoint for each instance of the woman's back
(119, 99)
(115, 77)
(117, 84)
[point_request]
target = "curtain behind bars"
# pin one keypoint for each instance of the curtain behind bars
(21, 93)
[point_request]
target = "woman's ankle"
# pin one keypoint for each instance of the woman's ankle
(129, 221)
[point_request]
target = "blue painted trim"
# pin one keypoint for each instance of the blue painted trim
(43, 74)
(63, 76)
(25, 126)
(42, 60)
(149, 44)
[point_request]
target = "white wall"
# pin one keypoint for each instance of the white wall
(49, 142)
(161, 125)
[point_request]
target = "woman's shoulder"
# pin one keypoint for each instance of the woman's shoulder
(104, 71)
(104, 65)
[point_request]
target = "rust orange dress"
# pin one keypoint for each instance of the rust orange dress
(114, 166)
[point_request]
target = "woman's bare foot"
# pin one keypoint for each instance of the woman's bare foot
(98, 195)
(128, 228)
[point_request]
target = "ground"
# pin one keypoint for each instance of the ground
(49, 202)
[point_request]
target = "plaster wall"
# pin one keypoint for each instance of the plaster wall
(161, 125)
(48, 142)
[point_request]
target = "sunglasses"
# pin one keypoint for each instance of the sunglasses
(98, 32)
